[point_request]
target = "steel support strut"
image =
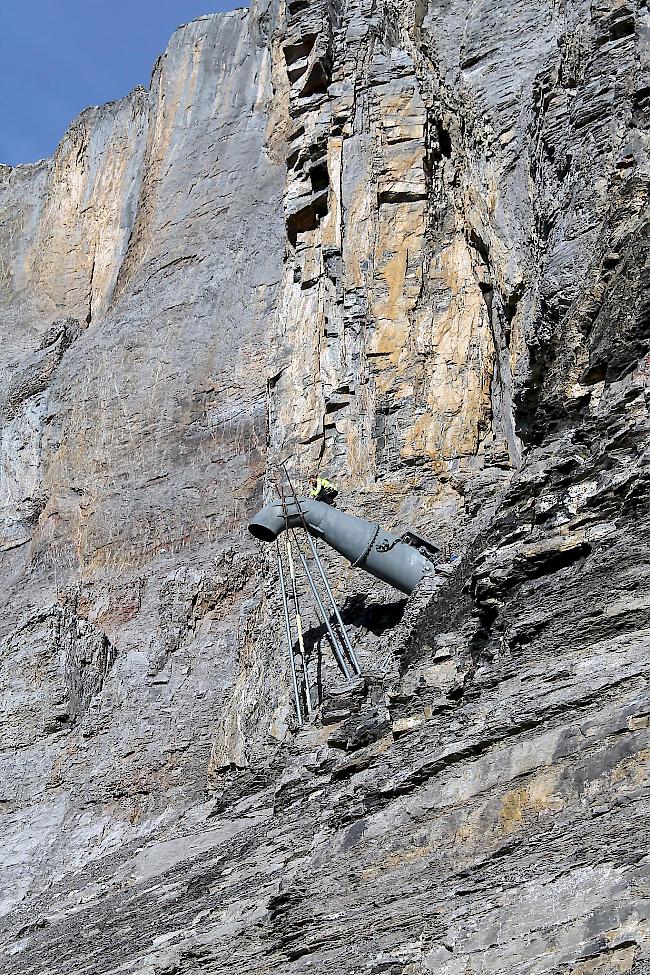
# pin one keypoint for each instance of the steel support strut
(292, 660)
(301, 642)
(323, 575)
(336, 647)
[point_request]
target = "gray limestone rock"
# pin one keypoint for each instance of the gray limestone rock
(405, 244)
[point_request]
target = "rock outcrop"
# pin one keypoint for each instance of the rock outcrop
(407, 244)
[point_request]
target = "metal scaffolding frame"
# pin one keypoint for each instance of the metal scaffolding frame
(332, 621)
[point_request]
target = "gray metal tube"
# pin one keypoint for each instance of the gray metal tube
(401, 566)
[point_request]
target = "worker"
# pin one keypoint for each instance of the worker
(322, 490)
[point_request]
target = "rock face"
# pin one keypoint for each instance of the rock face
(407, 244)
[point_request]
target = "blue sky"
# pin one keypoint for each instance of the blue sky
(57, 57)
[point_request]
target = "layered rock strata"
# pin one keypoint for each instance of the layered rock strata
(406, 244)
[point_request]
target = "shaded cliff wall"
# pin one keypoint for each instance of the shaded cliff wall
(406, 243)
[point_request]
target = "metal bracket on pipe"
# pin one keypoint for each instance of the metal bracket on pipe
(409, 537)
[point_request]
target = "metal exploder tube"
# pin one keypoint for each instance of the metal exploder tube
(367, 546)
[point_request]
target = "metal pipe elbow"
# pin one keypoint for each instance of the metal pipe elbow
(271, 521)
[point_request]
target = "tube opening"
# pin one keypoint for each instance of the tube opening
(261, 532)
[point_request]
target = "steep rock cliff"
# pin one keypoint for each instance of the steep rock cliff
(406, 243)
(132, 427)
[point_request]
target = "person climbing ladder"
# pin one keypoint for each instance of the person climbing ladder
(322, 489)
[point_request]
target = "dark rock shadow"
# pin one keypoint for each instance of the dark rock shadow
(316, 644)
(372, 616)
(357, 613)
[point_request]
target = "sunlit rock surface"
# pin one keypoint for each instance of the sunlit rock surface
(407, 244)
